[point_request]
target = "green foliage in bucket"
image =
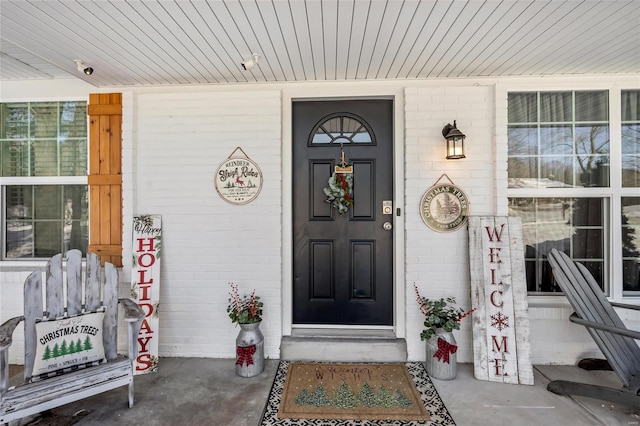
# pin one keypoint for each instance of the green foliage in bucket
(439, 313)
(245, 309)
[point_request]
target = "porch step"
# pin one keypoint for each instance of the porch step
(343, 346)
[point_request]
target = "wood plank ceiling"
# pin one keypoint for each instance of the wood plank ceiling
(169, 42)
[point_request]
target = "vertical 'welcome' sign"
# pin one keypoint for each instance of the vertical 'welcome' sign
(145, 287)
(501, 347)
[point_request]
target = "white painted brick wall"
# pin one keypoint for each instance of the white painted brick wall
(175, 138)
(437, 262)
(179, 140)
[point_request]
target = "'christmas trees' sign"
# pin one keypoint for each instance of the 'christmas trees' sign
(67, 343)
(444, 207)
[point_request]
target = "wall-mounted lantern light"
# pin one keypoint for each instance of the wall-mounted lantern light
(455, 141)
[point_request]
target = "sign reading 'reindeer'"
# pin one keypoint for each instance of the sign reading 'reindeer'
(238, 180)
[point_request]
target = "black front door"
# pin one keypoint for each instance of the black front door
(343, 264)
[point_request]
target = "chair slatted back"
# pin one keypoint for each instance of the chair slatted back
(97, 288)
(589, 303)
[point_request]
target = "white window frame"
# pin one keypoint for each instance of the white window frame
(614, 193)
(37, 180)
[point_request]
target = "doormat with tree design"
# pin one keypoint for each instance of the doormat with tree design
(354, 393)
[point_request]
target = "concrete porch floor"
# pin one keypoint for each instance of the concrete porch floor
(200, 391)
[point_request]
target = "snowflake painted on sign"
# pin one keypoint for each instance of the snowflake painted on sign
(499, 321)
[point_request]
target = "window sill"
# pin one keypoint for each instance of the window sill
(22, 265)
(548, 302)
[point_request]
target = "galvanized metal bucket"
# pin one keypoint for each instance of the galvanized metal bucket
(441, 362)
(249, 350)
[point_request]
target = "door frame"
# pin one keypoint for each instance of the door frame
(344, 92)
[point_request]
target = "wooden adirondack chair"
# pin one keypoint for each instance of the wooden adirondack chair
(617, 343)
(39, 393)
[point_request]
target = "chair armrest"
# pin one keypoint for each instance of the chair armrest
(133, 315)
(625, 306)
(6, 331)
(132, 312)
(621, 331)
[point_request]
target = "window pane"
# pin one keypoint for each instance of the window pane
(19, 224)
(341, 129)
(73, 119)
(630, 105)
(73, 157)
(523, 172)
(15, 121)
(43, 139)
(44, 158)
(631, 171)
(592, 139)
(48, 202)
(556, 172)
(556, 140)
(630, 222)
(571, 225)
(523, 140)
(593, 171)
(587, 212)
(592, 106)
(15, 157)
(570, 154)
(46, 219)
(523, 107)
(630, 138)
(44, 119)
(555, 107)
(587, 244)
(48, 238)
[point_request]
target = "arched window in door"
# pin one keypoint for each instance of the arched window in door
(342, 128)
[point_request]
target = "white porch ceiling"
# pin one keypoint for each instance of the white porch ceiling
(147, 42)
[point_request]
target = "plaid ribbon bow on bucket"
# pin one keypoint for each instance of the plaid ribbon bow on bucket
(245, 354)
(444, 350)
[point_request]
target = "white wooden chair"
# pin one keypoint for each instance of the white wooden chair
(68, 295)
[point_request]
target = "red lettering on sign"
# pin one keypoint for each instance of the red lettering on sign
(141, 277)
(147, 308)
(498, 347)
(495, 234)
(145, 290)
(151, 260)
(494, 255)
(497, 364)
(143, 343)
(493, 301)
(143, 362)
(145, 328)
(146, 244)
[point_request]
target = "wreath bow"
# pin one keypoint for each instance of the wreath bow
(340, 191)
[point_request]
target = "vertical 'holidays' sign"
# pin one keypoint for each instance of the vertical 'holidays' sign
(145, 287)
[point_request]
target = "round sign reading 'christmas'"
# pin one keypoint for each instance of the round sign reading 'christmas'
(444, 208)
(238, 180)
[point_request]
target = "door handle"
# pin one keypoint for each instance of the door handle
(387, 226)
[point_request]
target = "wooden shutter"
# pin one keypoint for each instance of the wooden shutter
(105, 176)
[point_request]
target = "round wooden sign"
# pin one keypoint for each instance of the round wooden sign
(444, 208)
(238, 180)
